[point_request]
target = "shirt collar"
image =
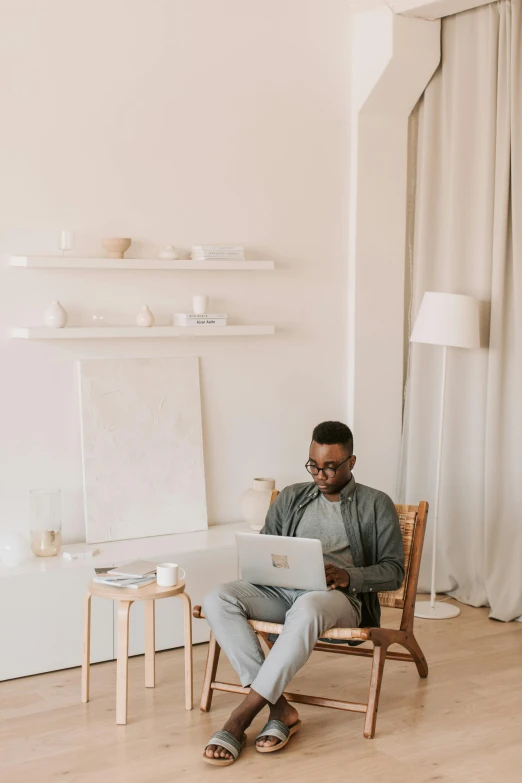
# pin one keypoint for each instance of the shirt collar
(349, 490)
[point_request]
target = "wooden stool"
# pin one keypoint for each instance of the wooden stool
(125, 598)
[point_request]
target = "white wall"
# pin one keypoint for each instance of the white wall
(393, 60)
(174, 121)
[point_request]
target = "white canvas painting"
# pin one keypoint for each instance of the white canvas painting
(142, 448)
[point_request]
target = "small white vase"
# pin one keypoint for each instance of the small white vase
(256, 501)
(55, 316)
(168, 253)
(144, 317)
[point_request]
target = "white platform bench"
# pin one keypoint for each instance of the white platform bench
(41, 600)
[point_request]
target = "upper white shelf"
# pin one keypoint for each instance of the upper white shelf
(111, 332)
(147, 264)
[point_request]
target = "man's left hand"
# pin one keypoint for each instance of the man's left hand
(336, 577)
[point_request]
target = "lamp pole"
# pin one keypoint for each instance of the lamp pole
(439, 464)
(437, 609)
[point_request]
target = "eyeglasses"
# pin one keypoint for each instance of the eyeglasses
(327, 472)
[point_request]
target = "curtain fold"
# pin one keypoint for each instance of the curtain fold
(468, 239)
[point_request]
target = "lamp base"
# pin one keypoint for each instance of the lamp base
(440, 611)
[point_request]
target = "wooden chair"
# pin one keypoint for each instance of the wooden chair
(413, 524)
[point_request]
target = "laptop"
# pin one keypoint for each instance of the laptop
(281, 561)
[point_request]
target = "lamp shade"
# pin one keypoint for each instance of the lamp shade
(447, 319)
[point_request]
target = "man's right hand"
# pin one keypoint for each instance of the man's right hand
(336, 577)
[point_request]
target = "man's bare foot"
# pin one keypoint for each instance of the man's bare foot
(236, 726)
(238, 722)
(284, 712)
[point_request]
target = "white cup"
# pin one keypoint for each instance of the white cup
(167, 574)
(199, 305)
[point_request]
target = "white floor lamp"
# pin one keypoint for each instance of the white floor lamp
(450, 320)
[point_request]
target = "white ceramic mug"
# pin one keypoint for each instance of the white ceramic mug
(199, 304)
(167, 574)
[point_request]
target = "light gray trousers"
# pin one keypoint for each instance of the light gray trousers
(306, 616)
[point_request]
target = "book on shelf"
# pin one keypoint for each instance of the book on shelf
(217, 257)
(196, 316)
(207, 253)
(204, 319)
(217, 248)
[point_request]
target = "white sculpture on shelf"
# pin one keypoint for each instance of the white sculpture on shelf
(145, 316)
(168, 253)
(55, 316)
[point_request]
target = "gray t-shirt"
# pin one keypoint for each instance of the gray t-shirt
(322, 519)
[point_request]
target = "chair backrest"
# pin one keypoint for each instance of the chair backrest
(412, 520)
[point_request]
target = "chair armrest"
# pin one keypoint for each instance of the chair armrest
(197, 612)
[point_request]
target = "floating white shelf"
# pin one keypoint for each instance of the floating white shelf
(146, 264)
(112, 332)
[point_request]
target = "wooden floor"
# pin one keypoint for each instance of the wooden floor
(464, 723)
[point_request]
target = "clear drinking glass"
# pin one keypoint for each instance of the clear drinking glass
(46, 522)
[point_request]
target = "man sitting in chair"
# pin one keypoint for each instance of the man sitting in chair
(363, 554)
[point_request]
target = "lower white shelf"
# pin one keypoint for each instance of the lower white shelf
(111, 332)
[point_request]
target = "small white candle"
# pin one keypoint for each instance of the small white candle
(199, 304)
(66, 240)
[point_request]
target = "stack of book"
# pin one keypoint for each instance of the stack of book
(203, 319)
(135, 575)
(216, 252)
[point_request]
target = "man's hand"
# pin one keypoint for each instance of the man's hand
(336, 577)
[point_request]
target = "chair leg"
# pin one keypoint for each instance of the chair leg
(379, 656)
(264, 637)
(86, 655)
(210, 674)
(189, 679)
(122, 662)
(421, 663)
(150, 644)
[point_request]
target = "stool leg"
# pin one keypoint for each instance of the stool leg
(150, 644)
(122, 664)
(189, 680)
(86, 654)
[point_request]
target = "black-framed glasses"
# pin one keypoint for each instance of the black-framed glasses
(314, 470)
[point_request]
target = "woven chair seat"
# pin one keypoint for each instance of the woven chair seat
(343, 634)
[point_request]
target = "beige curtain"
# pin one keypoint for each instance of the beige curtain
(467, 238)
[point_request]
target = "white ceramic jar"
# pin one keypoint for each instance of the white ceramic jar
(168, 253)
(256, 501)
(55, 316)
(144, 317)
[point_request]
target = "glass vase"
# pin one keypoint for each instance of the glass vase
(46, 522)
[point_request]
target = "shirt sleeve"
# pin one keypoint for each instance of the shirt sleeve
(388, 571)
